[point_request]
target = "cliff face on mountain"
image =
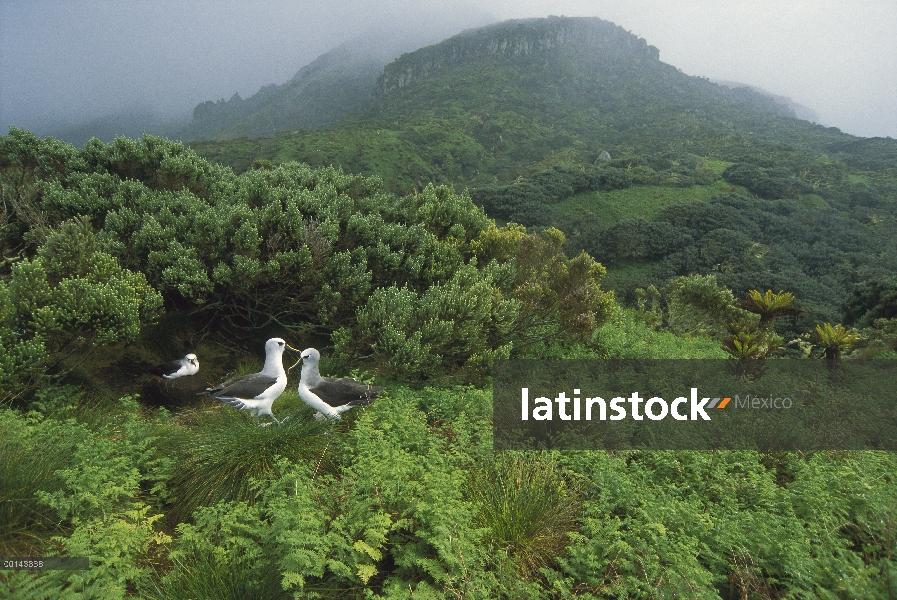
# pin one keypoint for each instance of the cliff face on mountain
(517, 38)
(321, 92)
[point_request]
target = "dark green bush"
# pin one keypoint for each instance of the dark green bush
(290, 249)
(58, 306)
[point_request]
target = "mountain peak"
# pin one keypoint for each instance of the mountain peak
(520, 37)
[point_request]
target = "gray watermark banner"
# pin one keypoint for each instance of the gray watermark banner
(695, 404)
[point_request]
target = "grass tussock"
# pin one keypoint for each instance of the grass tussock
(529, 506)
(213, 576)
(229, 451)
(28, 463)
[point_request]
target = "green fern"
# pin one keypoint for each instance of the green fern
(835, 339)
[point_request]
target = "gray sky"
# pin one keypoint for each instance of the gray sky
(71, 60)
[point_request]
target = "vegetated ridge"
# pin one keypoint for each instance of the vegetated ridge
(319, 94)
(577, 124)
(490, 101)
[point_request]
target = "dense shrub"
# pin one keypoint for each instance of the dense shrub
(64, 302)
(399, 280)
(638, 239)
(771, 183)
(871, 299)
(752, 243)
(528, 200)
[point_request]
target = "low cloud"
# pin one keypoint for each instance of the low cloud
(64, 62)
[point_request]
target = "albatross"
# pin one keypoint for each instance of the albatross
(257, 392)
(189, 365)
(331, 397)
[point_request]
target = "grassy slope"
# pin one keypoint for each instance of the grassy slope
(641, 201)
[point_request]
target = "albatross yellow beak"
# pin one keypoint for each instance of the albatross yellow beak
(300, 357)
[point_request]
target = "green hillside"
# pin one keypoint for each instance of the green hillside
(319, 94)
(519, 114)
(495, 101)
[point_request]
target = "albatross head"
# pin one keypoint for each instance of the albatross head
(311, 355)
(191, 358)
(277, 345)
(274, 355)
(309, 359)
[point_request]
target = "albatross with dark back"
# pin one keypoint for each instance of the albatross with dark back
(189, 365)
(257, 392)
(331, 397)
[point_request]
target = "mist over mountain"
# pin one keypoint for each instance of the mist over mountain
(319, 94)
(800, 111)
(129, 123)
(488, 102)
(355, 74)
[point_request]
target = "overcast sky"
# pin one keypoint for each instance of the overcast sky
(70, 60)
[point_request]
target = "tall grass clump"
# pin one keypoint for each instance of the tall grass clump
(229, 451)
(529, 506)
(205, 573)
(30, 454)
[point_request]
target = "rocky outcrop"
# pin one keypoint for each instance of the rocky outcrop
(518, 38)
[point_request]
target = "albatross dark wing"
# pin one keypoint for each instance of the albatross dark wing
(247, 386)
(167, 368)
(337, 392)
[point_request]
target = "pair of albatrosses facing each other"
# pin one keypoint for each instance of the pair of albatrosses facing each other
(257, 392)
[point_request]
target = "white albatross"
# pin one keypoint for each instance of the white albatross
(189, 365)
(331, 397)
(257, 392)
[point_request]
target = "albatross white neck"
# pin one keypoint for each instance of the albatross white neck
(274, 358)
(310, 375)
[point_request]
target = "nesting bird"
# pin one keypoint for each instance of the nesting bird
(331, 397)
(257, 392)
(189, 365)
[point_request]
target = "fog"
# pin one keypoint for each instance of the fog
(64, 62)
